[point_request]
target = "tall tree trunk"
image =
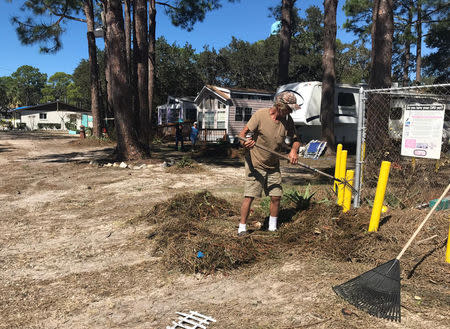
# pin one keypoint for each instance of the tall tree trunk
(96, 107)
(127, 10)
(407, 62)
(109, 108)
(151, 60)
(128, 146)
(329, 74)
(419, 42)
(141, 58)
(380, 75)
(285, 45)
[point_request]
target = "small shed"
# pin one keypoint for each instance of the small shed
(177, 108)
(53, 115)
(229, 109)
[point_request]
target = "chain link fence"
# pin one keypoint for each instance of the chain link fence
(404, 126)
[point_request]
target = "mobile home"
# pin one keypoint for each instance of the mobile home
(228, 109)
(176, 109)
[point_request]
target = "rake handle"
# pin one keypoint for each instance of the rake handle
(300, 164)
(423, 223)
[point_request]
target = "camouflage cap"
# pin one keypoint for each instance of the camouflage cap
(288, 98)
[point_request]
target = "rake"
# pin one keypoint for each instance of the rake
(283, 156)
(377, 291)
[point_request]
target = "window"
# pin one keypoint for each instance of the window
(346, 99)
(221, 118)
(247, 113)
(238, 115)
(209, 120)
(43, 116)
(266, 98)
(243, 114)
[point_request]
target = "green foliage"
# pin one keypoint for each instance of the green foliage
(307, 47)
(49, 125)
(7, 124)
(185, 13)
(352, 63)
(437, 64)
(300, 202)
(5, 93)
(40, 27)
(176, 71)
(71, 126)
(57, 88)
(26, 85)
(359, 18)
(80, 92)
(185, 162)
(72, 123)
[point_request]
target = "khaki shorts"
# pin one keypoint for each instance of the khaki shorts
(257, 180)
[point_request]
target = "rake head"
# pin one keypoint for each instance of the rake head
(376, 292)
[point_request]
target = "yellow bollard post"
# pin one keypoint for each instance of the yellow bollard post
(447, 254)
(336, 167)
(379, 196)
(348, 191)
(342, 170)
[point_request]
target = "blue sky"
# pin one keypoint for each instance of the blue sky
(247, 20)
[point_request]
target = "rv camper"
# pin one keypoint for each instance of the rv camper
(307, 120)
(177, 109)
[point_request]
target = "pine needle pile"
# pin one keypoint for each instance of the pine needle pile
(196, 233)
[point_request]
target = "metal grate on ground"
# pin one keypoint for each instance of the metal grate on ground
(193, 320)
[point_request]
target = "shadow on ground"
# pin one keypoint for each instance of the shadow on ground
(104, 154)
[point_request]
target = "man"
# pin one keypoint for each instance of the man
(193, 135)
(269, 128)
(179, 136)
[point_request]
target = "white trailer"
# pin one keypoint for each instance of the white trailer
(307, 119)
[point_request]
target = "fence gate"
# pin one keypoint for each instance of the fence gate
(403, 126)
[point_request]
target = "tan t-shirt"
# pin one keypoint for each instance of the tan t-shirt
(271, 134)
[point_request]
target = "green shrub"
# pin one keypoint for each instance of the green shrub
(71, 125)
(185, 162)
(49, 125)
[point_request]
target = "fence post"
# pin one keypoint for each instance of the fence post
(359, 145)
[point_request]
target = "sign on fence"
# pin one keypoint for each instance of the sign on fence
(422, 130)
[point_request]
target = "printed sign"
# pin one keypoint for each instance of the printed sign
(422, 130)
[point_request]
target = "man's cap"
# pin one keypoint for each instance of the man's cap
(288, 98)
(195, 123)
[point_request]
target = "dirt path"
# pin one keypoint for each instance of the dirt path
(69, 258)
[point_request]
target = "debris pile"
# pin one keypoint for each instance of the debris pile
(196, 233)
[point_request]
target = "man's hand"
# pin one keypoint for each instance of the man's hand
(293, 156)
(249, 143)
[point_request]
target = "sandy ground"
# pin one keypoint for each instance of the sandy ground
(69, 259)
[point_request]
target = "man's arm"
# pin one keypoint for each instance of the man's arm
(293, 154)
(249, 143)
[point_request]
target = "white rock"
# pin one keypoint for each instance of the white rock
(109, 164)
(115, 164)
(123, 165)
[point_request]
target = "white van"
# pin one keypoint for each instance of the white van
(307, 120)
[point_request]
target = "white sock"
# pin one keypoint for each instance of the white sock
(273, 223)
(242, 228)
